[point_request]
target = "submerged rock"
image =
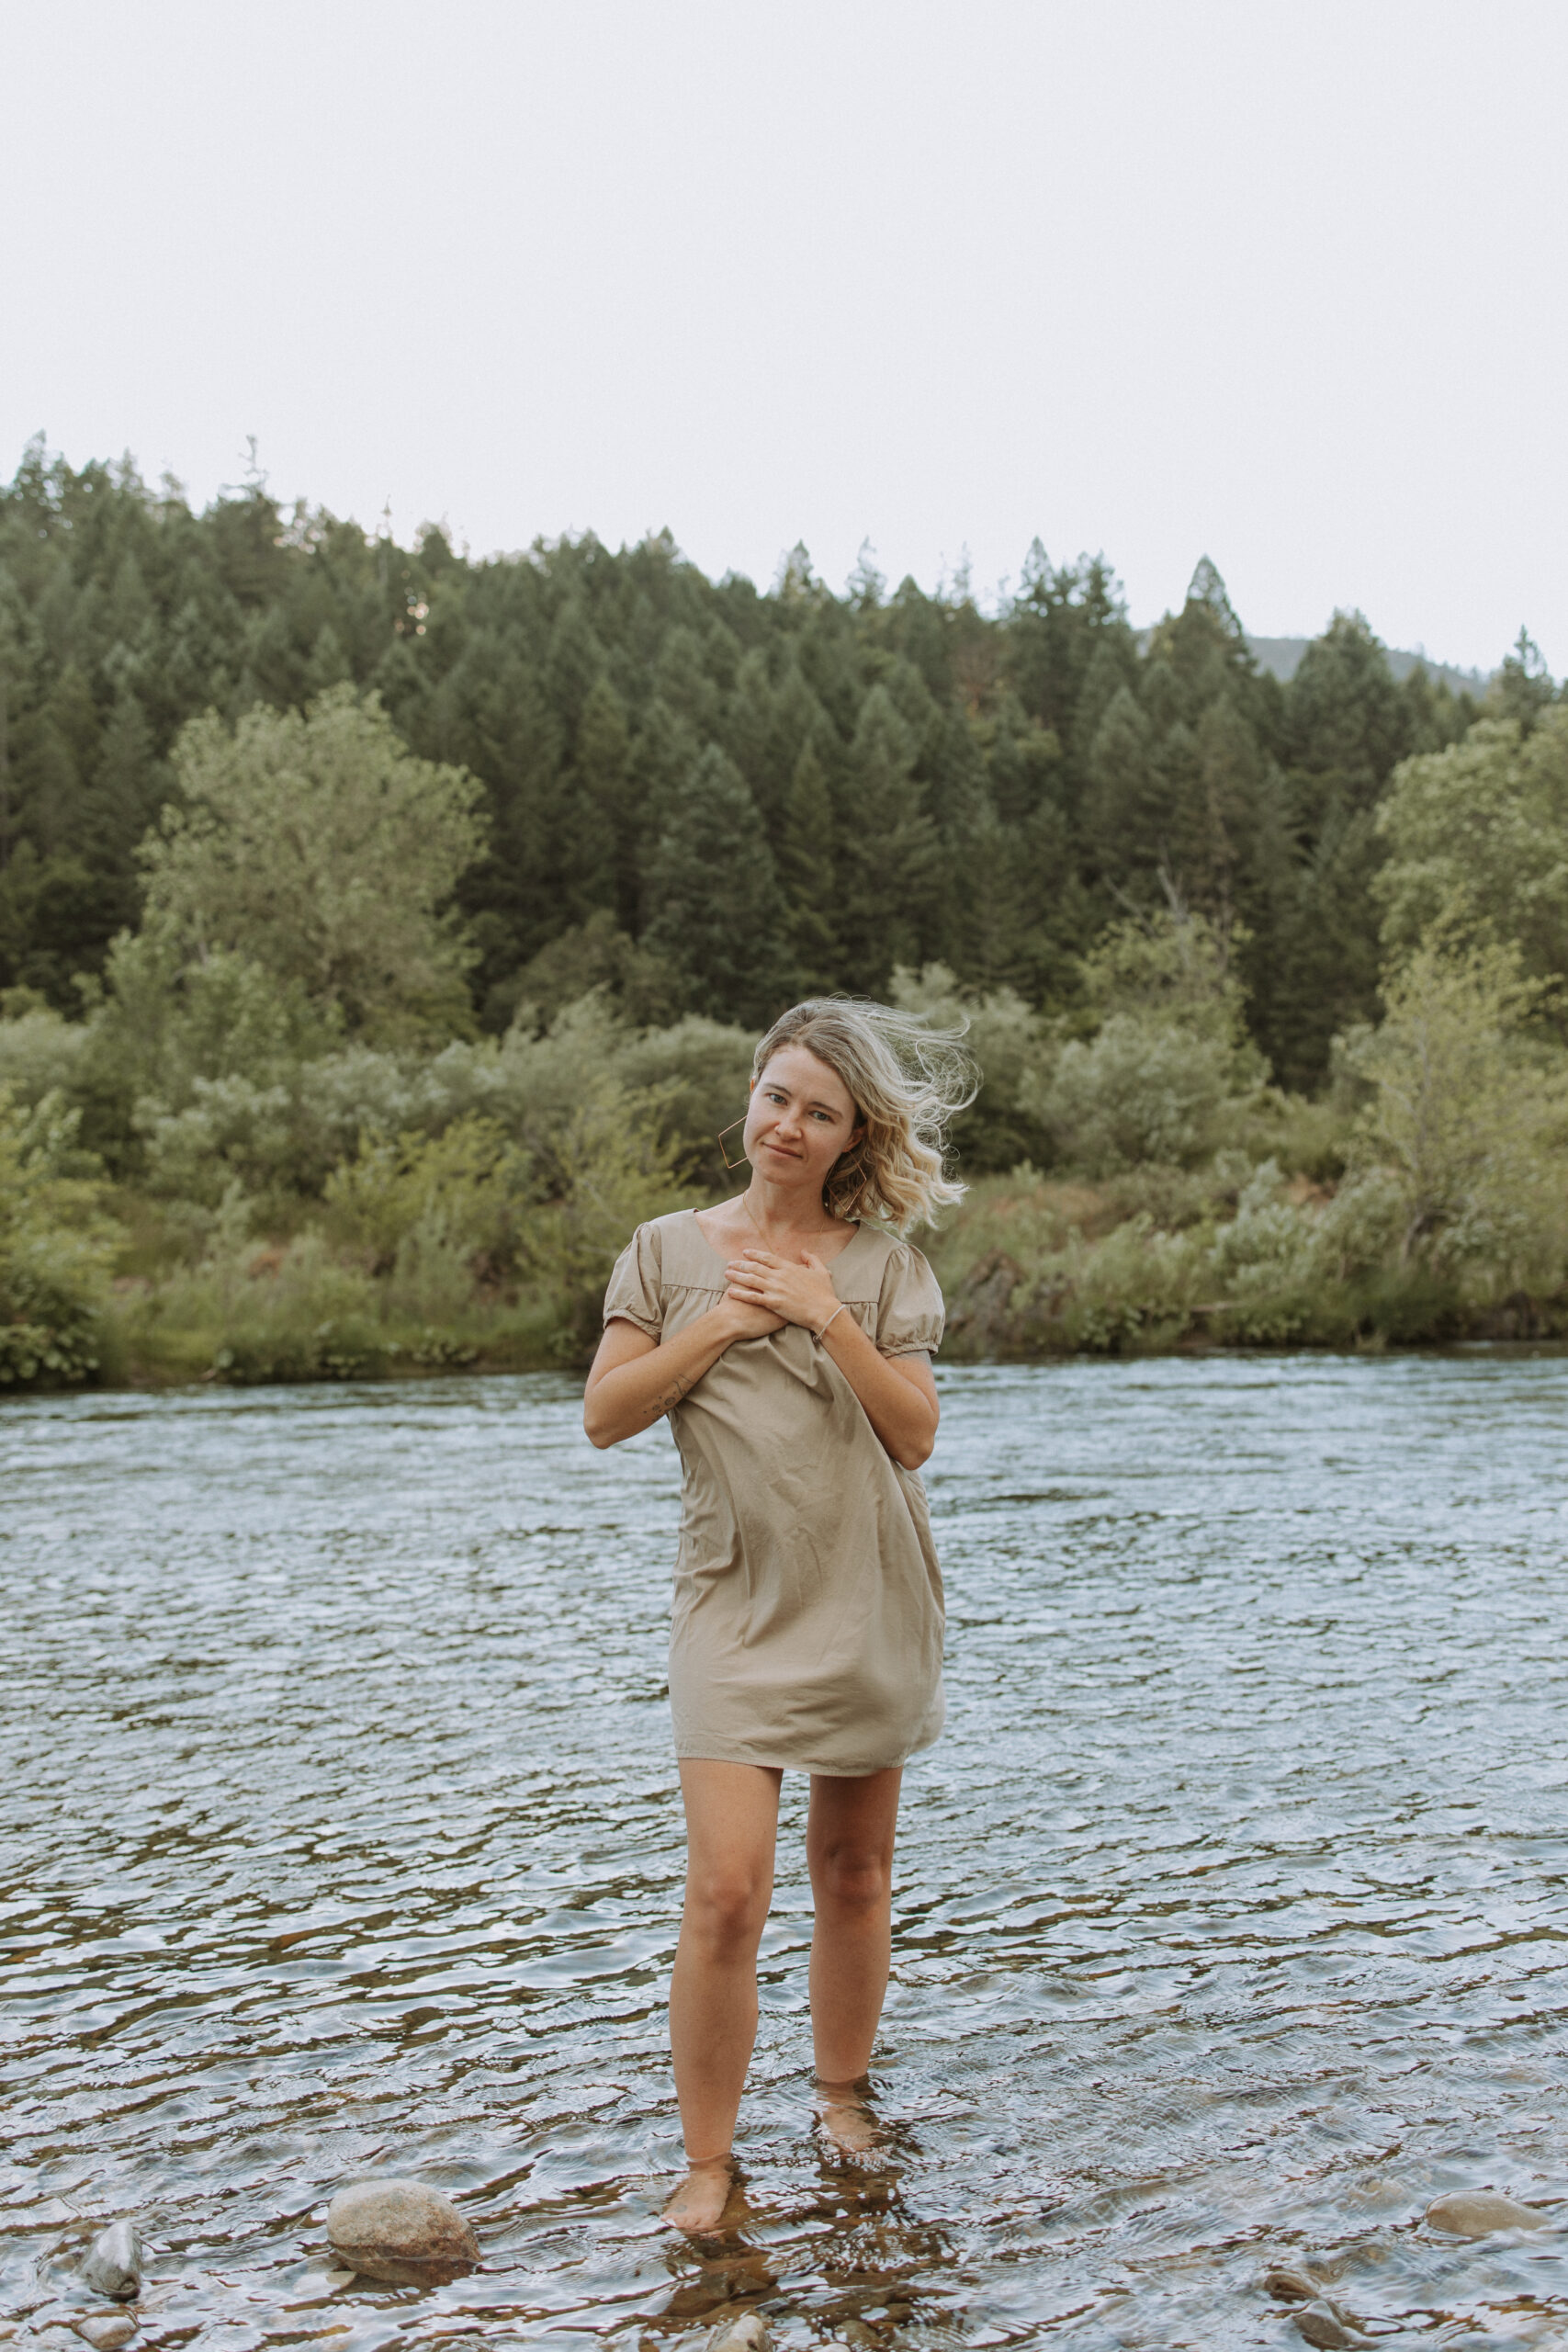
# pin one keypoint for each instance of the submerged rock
(106, 2334)
(743, 2332)
(113, 2262)
(1288, 2283)
(402, 2232)
(1476, 2214)
(1324, 2324)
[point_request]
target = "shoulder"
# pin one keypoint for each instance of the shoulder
(910, 1313)
(672, 1221)
(677, 1252)
(907, 1268)
(660, 1239)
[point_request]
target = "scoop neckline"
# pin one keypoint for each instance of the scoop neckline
(857, 1223)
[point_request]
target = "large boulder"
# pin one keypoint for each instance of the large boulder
(402, 2232)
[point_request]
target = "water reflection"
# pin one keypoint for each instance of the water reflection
(341, 1833)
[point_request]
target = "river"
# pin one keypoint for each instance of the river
(342, 1836)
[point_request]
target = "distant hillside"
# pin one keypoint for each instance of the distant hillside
(1282, 656)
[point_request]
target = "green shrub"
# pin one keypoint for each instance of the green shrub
(56, 1246)
(41, 1051)
(1141, 1091)
(611, 1171)
(461, 1193)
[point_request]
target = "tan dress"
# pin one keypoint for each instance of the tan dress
(808, 1603)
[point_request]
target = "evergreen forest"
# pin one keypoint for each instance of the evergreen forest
(382, 931)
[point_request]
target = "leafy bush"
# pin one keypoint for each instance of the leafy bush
(462, 1190)
(1009, 1040)
(55, 1249)
(39, 1049)
(612, 1171)
(1265, 1262)
(1477, 839)
(1140, 1091)
(1132, 1290)
(1466, 1119)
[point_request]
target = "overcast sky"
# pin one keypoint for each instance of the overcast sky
(1283, 283)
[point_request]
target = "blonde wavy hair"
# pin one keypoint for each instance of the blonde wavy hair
(906, 1080)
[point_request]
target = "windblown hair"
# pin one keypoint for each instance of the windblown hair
(907, 1080)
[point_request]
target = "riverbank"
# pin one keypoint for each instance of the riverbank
(1154, 1264)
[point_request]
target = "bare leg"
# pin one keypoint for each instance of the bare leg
(849, 1845)
(732, 1813)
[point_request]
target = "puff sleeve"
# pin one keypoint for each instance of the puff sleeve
(636, 1293)
(910, 1310)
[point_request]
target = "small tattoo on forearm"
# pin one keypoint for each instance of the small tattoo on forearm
(673, 1395)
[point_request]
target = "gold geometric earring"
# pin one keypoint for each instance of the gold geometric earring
(732, 1164)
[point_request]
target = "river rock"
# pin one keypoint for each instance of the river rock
(1323, 2324)
(742, 2332)
(1477, 2213)
(112, 2264)
(402, 2232)
(108, 2333)
(1288, 2283)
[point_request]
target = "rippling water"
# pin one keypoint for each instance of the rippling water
(341, 1835)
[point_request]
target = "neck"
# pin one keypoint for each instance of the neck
(784, 1208)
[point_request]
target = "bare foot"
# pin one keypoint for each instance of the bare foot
(697, 2205)
(846, 2120)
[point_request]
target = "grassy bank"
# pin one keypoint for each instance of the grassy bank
(1033, 1268)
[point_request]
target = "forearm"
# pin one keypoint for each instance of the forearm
(903, 1418)
(634, 1395)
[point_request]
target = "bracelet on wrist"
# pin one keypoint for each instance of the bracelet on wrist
(829, 1323)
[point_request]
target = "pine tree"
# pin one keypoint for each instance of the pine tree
(609, 854)
(717, 909)
(889, 855)
(807, 870)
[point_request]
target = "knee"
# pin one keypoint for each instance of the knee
(724, 1912)
(853, 1878)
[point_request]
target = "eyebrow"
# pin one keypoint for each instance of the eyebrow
(813, 1101)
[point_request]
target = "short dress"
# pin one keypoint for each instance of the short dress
(808, 1622)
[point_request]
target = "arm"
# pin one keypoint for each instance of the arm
(636, 1379)
(898, 1392)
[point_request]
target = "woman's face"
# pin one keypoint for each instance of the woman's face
(801, 1119)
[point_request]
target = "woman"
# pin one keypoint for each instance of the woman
(790, 1343)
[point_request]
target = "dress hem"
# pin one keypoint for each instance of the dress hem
(708, 1754)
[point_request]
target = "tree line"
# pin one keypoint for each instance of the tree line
(702, 797)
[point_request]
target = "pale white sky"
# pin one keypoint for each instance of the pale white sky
(1279, 282)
